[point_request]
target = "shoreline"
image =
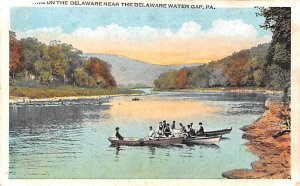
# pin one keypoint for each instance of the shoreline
(51, 94)
(225, 89)
(27, 99)
(270, 140)
(56, 99)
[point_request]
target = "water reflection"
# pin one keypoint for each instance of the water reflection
(152, 152)
(158, 109)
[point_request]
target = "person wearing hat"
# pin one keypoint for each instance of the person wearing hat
(118, 135)
(167, 131)
(151, 134)
(200, 131)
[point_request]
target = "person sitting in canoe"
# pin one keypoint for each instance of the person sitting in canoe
(182, 128)
(190, 131)
(200, 131)
(160, 130)
(118, 135)
(167, 131)
(173, 125)
(151, 134)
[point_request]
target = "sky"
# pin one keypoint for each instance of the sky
(153, 35)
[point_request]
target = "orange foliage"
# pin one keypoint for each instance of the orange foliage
(97, 67)
(15, 64)
(238, 70)
(181, 79)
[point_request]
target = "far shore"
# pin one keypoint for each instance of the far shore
(47, 94)
(226, 89)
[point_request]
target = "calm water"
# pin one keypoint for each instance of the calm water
(70, 141)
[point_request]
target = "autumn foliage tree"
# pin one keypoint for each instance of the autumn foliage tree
(181, 79)
(57, 63)
(16, 65)
(100, 70)
(238, 70)
(243, 68)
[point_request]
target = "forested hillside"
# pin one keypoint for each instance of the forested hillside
(267, 65)
(244, 68)
(32, 62)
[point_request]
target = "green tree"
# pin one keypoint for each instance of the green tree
(32, 51)
(166, 80)
(57, 61)
(81, 77)
(199, 77)
(73, 59)
(278, 20)
(258, 76)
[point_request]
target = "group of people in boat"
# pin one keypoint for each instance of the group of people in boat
(164, 130)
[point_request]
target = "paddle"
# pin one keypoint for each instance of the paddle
(140, 140)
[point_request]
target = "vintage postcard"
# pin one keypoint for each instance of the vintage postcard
(149, 92)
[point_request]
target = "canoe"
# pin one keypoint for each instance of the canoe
(218, 132)
(130, 141)
(164, 141)
(203, 140)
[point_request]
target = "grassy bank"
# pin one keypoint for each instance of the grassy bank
(64, 91)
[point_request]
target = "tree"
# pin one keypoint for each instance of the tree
(15, 48)
(31, 53)
(217, 77)
(258, 76)
(81, 77)
(181, 79)
(198, 77)
(278, 77)
(238, 70)
(166, 80)
(73, 59)
(278, 20)
(58, 62)
(100, 70)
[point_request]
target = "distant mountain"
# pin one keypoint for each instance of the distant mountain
(131, 72)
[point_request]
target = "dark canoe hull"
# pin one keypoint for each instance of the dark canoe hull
(126, 141)
(217, 132)
(164, 141)
(202, 140)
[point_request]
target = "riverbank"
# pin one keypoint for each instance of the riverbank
(270, 140)
(25, 94)
(228, 89)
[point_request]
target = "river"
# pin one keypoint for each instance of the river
(69, 140)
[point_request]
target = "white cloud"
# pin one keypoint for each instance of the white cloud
(189, 29)
(232, 28)
(189, 43)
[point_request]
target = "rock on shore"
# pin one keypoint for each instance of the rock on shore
(273, 150)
